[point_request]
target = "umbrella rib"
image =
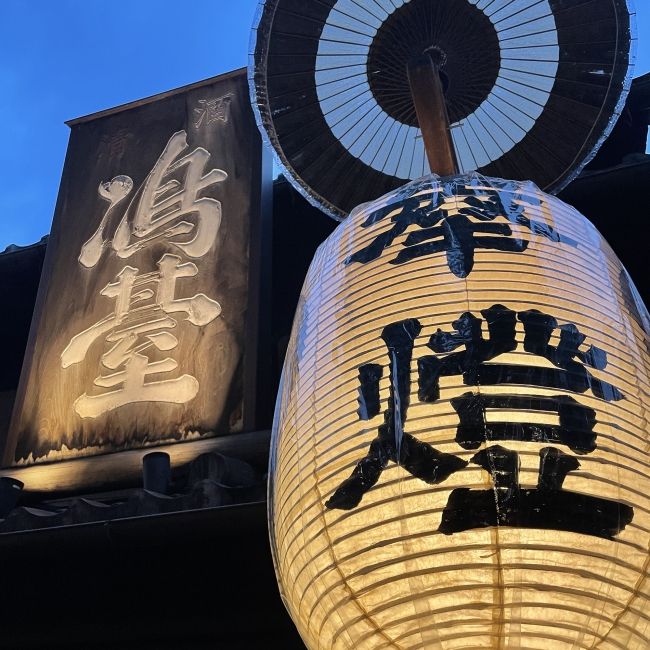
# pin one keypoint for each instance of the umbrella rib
(337, 67)
(515, 58)
(479, 140)
(535, 74)
(488, 5)
(401, 155)
(512, 92)
(500, 128)
(521, 83)
(517, 108)
(510, 119)
(363, 22)
(364, 8)
(489, 132)
(363, 132)
(469, 148)
(415, 146)
(527, 47)
(383, 142)
(527, 35)
(398, 158)
(341, 92)
(326, 39)
(338, 140)
(526, 22)
(355, 123)
(577, 82)
(399, 130)
(376, 133)
(334, 81)
(340, 79)
(520, 11)
(319, 22)
(352, 109)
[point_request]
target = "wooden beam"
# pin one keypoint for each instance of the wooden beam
(124, 468)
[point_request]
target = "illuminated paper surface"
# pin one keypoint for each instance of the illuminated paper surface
(460, 453)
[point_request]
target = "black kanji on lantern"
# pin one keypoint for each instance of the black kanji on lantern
(507, 503)
(546, 506)
(473, 225)
(392, 444)
(569, 360)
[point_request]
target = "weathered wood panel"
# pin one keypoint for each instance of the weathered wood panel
(145, 329)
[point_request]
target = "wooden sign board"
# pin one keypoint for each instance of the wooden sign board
(146, 325)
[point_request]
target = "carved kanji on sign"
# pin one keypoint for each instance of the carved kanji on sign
(143, 321)
(167, 209)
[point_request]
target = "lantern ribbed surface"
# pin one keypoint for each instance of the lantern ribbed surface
(460, 449)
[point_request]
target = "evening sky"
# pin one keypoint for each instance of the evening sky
(61, 59)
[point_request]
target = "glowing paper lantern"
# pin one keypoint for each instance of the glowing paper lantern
(460, 453)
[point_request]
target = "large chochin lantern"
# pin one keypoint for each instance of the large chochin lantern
(460, 452)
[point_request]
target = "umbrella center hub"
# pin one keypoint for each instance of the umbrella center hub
(462, 42)
(439, 59)
(437, 55)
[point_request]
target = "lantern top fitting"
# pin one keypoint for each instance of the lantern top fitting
(359, 97)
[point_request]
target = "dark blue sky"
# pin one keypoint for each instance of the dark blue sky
(61, 59)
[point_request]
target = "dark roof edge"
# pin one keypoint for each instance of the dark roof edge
(640, 93)
(629, 166)
(220, 521)
(14, 248)
(153, 98)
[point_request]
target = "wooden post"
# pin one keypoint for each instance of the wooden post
(431, 109)
(156, 472)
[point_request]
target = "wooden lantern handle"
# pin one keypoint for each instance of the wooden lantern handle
(431, 110)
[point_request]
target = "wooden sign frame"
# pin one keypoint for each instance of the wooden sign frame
(142, 190)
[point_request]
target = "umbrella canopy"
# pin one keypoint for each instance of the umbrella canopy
(533, 87)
